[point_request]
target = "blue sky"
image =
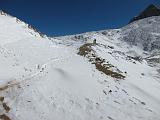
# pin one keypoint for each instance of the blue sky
(64, 17)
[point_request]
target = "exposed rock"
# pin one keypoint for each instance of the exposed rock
(151, 10)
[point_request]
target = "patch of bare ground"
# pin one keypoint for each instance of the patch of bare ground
(100, 64)
(4, 117)
(1, 99)
(6, 107)
(8, 85)
(108, 72)
(3, 88)
(85, 49)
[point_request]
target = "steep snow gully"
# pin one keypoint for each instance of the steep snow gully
(101, 75)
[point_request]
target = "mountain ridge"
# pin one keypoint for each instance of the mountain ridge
(151, 10)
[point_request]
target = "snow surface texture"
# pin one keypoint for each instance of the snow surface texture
(45, 79)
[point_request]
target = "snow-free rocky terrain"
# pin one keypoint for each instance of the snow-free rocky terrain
(103, 75)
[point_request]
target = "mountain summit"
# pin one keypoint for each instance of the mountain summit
(151, 10)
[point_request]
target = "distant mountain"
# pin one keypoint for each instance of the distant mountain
(151, 10)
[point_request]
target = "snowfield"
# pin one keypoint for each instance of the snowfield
(72, 78)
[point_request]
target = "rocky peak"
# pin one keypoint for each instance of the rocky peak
(151, 10)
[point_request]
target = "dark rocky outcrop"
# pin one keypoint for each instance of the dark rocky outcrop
(151, 10)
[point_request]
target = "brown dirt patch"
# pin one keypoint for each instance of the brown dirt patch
(85, 49)
(4, 117)
(3, 88)
(6, 107)
(101, 65)
(108, 72)
(1, 99)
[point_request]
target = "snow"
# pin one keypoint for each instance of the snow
(44, 78)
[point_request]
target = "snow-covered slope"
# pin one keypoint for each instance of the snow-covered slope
(11, 27)
(72, 78)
